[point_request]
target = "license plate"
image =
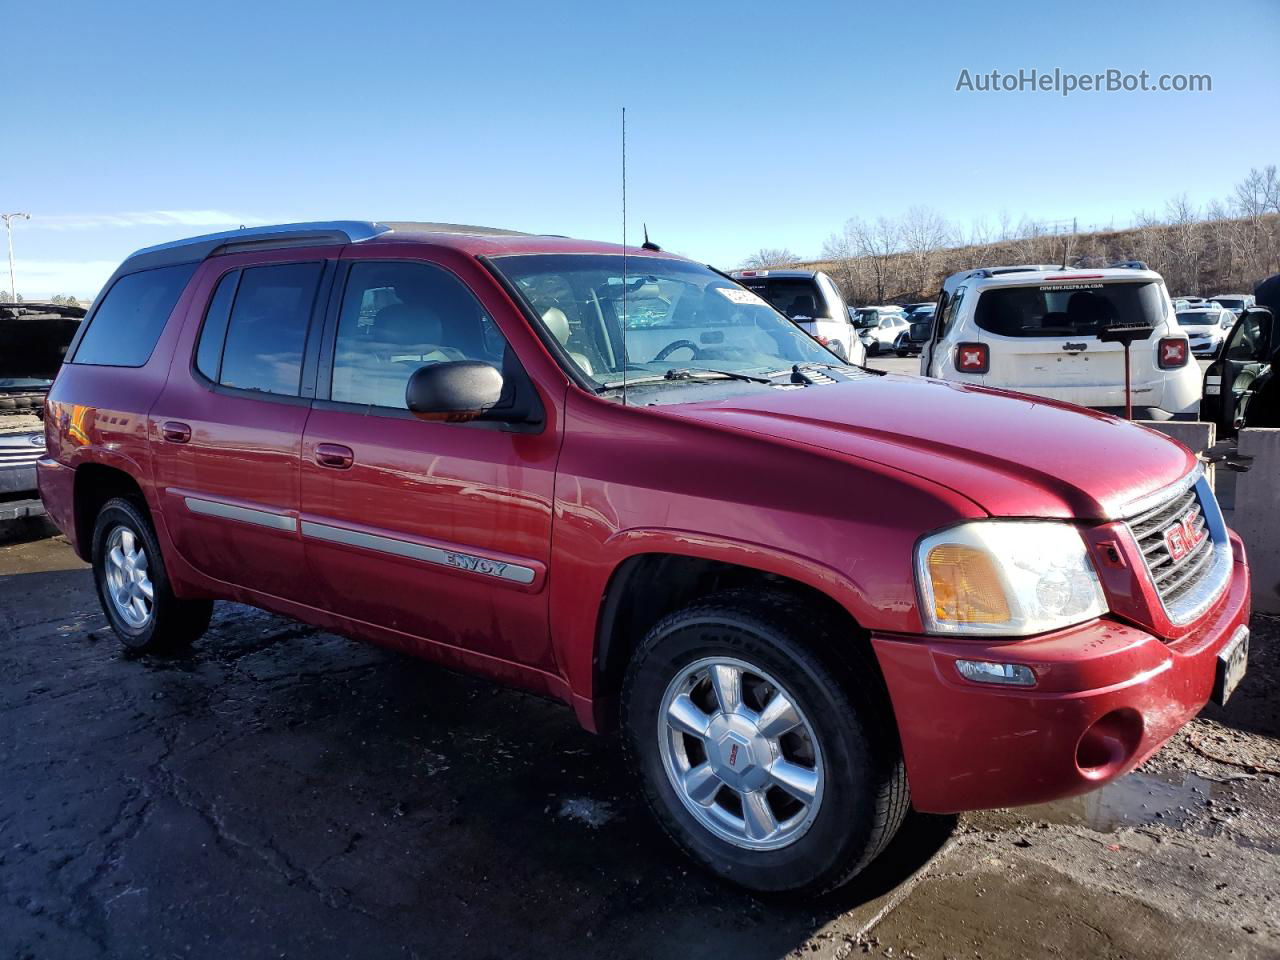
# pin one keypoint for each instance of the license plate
(1233, 660)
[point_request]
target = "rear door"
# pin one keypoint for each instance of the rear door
(1046, 336)
(227, 429)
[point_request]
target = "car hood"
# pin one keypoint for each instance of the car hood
(1011, 454)
(35, 338)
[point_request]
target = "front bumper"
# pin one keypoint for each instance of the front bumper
(1108, 696)
(18, 479)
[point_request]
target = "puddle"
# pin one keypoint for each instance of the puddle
(1134, 800)
(594, 813)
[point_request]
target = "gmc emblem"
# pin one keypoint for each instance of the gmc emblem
(1183, 537)
(733, 755)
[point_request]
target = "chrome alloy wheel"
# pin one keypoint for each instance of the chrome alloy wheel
(740, 754)
(128, 579)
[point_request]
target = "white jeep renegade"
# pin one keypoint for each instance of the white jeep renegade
(1035, 329)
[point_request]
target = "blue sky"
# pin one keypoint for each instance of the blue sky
(749, 125)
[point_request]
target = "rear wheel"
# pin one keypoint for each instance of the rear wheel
(133, 586)
(776, 767)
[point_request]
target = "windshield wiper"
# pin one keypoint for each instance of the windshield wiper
(686, 373)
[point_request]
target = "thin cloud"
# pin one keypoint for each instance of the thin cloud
(144, 218)
(41, 279)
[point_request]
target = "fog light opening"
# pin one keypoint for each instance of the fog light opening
(1004, 674)
(1109, 743)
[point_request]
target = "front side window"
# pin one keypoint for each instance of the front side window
(128, 323)
(267, 330)
(1248, 342)
(1068, 309)
(399, 316)
(677, 315)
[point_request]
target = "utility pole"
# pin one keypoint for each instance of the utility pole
(8, 219)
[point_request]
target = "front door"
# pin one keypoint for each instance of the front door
(1229, 380)
(227, 428)
(437, 531)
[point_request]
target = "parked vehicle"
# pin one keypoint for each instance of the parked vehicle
(1237, 303)
(811, 300)
(1035, 329)
(434, 438)
(919, 329)
(1206, 327)
(879, 328)
(917, 337)
(1240, 387)
(33, 339)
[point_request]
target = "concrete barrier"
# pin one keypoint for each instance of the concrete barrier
(1257, 514)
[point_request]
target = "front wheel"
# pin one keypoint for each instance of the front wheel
(133, 586)
(775, 766)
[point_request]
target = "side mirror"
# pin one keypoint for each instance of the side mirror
(455, 391)
(920, 331)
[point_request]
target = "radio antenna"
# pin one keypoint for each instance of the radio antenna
(624, 256)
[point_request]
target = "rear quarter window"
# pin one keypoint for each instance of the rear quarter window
(126, 326)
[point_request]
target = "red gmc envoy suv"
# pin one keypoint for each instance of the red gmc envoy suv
(811, 595)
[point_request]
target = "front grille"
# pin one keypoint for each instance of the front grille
(10, 457)
(1187, 584)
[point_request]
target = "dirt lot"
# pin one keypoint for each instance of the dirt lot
(284, 792)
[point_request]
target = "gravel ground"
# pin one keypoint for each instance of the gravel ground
(284, 792)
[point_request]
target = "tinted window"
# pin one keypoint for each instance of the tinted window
(1067, 310)
(214, 331)
(397, 317)
(790, 296)
(126, 326)
(1249, 339)
(267, 332)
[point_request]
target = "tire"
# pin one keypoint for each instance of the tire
(861, 794)
(170, 623)
(873, 348)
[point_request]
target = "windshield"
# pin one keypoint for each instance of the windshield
(866, 318)
(679, 316)
(790, 296)
(1068, 309)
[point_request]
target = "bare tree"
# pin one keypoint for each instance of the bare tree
(771, 257)
(923, 233)
(877, 244)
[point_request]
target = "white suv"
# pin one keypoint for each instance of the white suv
(1035, 329)
(811, 300)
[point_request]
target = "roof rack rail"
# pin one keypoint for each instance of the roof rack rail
(1129, 265)
(278, 235)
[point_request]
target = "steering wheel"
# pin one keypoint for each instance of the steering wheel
(675, 345)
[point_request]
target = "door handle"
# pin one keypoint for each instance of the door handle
(175, 432)
(334, 455)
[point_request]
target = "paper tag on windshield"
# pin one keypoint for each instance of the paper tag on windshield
(740, 296)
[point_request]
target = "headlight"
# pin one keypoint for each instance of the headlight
(1006, 578)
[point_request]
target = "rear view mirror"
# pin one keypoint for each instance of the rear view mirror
(459, 390)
